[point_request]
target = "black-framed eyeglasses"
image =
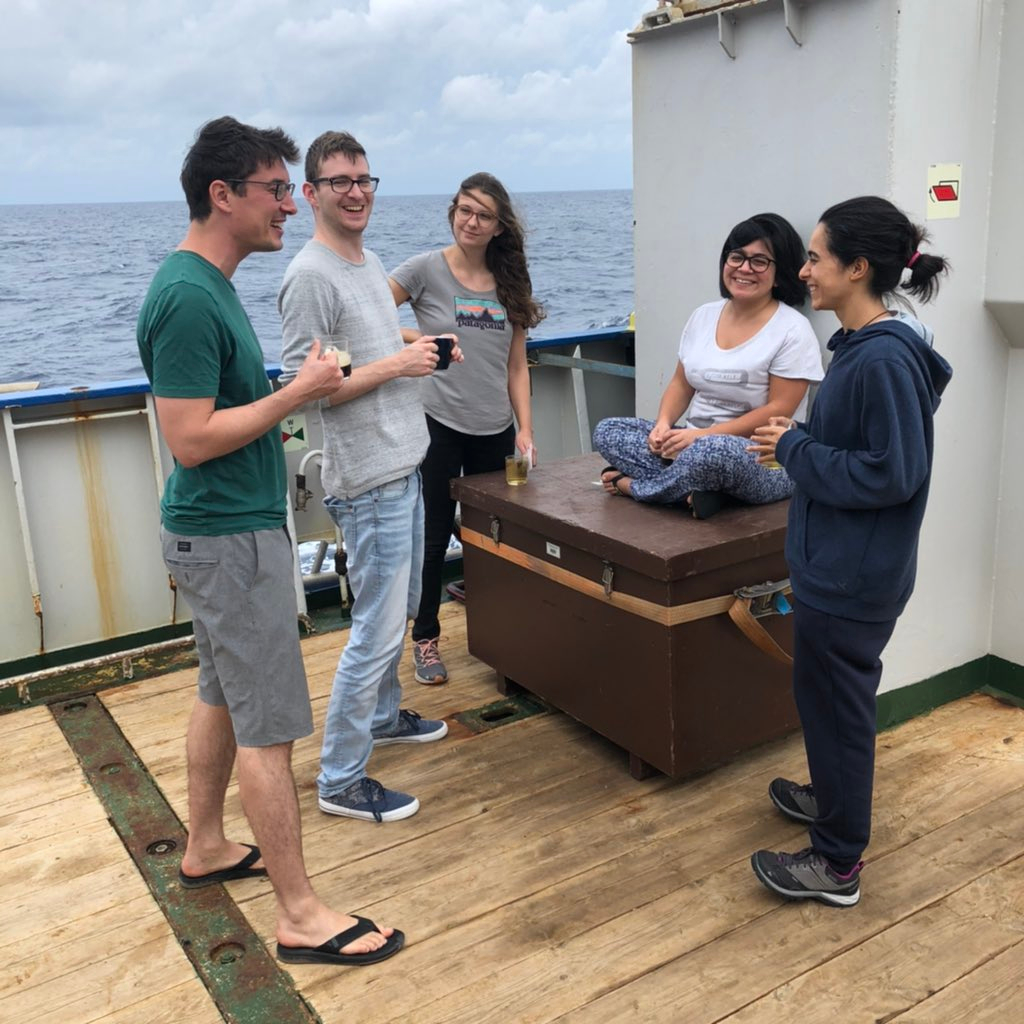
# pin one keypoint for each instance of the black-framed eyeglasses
(342, 183)
(759, 263)
(280, 189)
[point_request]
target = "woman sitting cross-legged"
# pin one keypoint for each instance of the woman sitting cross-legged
(743, 359)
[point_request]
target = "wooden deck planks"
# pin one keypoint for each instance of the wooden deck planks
(540, 882)
(79, 932)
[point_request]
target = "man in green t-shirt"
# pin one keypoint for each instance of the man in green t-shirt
(224, 536)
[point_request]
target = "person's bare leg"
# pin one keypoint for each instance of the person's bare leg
(272, 807)
(210, 750)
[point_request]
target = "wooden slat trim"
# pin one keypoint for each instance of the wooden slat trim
(665, 615)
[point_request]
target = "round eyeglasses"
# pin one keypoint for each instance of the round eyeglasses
(483, 218)
(759, 263)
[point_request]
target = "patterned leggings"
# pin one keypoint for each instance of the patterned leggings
(715, 462)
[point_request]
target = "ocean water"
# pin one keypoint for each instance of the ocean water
(72, 277)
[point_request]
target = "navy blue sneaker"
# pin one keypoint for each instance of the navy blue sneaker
(369, 800)
(413, 728)
(807, 875)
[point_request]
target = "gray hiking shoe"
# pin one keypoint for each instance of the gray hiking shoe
(430, 668)
(807, 875)
(795, 801)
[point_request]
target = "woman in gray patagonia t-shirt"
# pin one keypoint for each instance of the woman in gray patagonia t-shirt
(478, 411)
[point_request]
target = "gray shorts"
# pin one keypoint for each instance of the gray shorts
(241, 592)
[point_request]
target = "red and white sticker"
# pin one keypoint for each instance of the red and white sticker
(943, 191)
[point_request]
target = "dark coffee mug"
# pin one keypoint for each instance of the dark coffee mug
(444, 351)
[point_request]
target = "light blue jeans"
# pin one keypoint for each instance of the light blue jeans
(383, 532)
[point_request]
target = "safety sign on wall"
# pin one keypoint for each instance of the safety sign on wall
(294, 434)
(943, 191)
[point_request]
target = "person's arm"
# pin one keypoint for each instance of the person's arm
(893, 463)
(310, 307)
(417, 359)
(196, 432)
(675, 400)
(400, 295)
(519, 391)
(784, 396)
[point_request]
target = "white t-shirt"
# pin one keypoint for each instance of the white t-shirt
(731, 382)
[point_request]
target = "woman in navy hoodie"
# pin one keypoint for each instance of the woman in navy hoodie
(861, 465)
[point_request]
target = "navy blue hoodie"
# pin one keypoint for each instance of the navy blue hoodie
(862, 464)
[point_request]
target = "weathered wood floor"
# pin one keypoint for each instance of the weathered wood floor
(540, 882)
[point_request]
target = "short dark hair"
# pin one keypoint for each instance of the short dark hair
(881, 233)
(786, 248)
(227, 150)
(326, 145)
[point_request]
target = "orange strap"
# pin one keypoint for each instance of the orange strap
(739, 612)
(738, 608)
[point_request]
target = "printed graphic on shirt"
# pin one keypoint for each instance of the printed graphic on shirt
(732, 406)
(484, 314)
(737, 377)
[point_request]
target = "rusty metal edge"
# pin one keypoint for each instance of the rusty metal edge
(247, 989)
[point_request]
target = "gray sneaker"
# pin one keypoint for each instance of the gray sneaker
(369, 800)
(430, 668)
(807, 875)
(795, 801)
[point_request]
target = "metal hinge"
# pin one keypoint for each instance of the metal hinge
(496, 529)
(608, 578)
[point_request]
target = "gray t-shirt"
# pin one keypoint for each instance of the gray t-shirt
(381, 435)
(472, 396)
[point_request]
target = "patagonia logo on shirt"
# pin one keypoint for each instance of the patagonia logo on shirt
(480, 313)
(184, 545)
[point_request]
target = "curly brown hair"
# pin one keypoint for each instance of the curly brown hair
(506, 253)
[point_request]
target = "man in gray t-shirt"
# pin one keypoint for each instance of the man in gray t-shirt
(375, 437)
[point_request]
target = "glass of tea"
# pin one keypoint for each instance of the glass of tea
(517, 468)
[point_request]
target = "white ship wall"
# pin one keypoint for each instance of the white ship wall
(878, 91)
(1005, 292)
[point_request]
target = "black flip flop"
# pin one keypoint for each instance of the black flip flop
(329, 952)
(243, 869)
(614, 480)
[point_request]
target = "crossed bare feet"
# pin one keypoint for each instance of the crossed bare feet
(615, 482)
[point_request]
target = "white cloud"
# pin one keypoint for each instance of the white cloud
(100, 101)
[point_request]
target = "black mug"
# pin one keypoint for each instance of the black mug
(444, 344)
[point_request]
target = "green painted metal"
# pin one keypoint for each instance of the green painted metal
(80, 680)
(1005, 679)
(897, 706)
(84, 652)
(513, 708)
(242, 977)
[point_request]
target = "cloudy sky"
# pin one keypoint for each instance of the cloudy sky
(99, 100)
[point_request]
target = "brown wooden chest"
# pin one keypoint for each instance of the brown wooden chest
(589, 601)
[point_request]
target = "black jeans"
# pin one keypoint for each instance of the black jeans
(836, 672)
(450, 454)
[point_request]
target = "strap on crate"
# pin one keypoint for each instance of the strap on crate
(744, 606)
(756, 602)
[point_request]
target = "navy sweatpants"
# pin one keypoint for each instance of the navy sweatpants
(836, 672)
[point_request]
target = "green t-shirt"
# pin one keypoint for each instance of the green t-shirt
(196, 341)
